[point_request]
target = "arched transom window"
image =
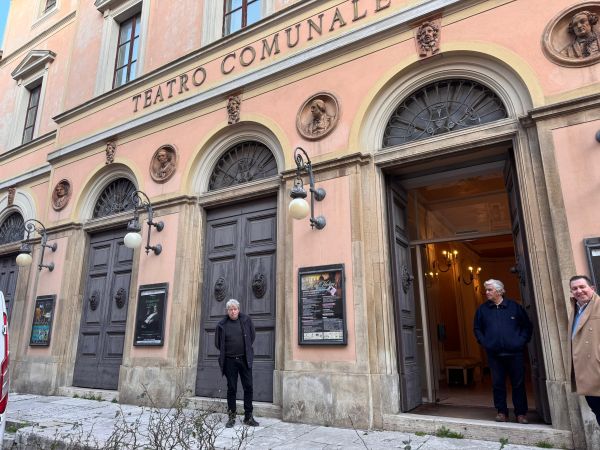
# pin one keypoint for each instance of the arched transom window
(115, 198)
(247, 161)
(442, 107)
(12, 229)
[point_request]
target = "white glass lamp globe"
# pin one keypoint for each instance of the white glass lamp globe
(24, 259)
(133, 240)
(299, 208)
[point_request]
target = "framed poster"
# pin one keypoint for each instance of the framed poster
(592, 248)
(150, 317)
(322, 305)
(41, 327)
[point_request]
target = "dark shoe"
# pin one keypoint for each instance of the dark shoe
(501, 417)
(522, 419)
(249, 421)
(230, 423)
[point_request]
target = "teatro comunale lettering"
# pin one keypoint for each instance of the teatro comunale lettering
(314, 27)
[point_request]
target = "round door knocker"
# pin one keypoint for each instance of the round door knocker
(93, 300)
(259, 286)
(220, 289)
(120, 297)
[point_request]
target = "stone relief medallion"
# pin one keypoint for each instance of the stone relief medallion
(572, 38)
(318, 116)
(427, 38)
(61, 194)
(163, 163)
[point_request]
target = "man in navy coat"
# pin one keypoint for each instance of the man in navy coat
(503, 328)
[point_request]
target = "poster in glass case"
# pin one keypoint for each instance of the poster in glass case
(321, 305)
(41, 328)
(150, 318)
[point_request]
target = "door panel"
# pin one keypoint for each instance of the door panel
(404, 303)
(522, 271)
(104, 314)
(8, 279)
(240, 263)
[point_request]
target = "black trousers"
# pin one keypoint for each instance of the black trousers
(513, 366)
(234, 367)
(594, 403)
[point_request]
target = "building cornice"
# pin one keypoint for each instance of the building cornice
(28, 146)
(564, 108)
(365, 34)
(26, 177)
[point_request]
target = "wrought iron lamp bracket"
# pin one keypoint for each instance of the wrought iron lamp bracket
(141, 200)
(317, 194)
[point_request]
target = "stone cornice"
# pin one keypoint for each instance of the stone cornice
(25, 177)
(367, 33)
(40, 37)
(564, 108)
(25, 147)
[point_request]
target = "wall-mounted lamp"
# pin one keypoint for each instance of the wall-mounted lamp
(299, 206)
(473, 274)
(24, 257)
(449, 257)
(133, 239)
(431, 278)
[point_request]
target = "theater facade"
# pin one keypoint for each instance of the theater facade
(150, 152)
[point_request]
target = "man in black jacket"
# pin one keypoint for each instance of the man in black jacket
(234, 337)
(502, 327)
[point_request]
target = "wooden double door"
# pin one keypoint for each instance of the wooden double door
(240, 263)
(104, 312)
(9, 272)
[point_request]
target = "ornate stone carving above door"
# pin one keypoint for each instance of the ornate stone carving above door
(427, 38)
(572, 38)
(318, 116)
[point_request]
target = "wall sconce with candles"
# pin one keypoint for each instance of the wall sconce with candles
(24, 257)
(449, 258)
(473, 274)
(133, 239)
(299, 206)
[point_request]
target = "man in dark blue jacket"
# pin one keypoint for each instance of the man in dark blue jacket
(502, 327)
(234, 337)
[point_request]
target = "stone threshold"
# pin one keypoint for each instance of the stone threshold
(88, 393)
(261, 409)
(480, 429)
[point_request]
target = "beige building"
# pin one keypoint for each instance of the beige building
(438, 144)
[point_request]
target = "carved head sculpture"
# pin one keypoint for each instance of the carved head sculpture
(582, 24)
(163, 163)
(61, 194)
(233, 109)
(111, 149)
(317, 108)
(428, 38)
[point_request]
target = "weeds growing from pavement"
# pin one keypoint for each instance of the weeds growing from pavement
(444, 432)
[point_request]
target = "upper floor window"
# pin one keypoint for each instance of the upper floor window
(49, 5)
(127, 50)
(239, 14)
(31, 114)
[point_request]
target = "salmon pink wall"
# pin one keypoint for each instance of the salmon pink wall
(331, 245)
(158, 269)
(578, 162)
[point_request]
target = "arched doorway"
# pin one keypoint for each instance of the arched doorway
(12, 230)
(240, 262)
(450, 215)
(106, 294)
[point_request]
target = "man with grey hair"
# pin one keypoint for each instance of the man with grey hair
(234, 337)
(503, 328)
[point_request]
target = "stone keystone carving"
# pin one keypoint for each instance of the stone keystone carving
(427, 38)
(12, 191)
(111, 149)
(234, 104)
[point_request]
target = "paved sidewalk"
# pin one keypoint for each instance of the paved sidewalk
(47, 420)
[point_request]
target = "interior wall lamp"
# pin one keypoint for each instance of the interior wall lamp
(473, 274)
(449, 258)
(133, 239)
(24, 257)
(299, 208)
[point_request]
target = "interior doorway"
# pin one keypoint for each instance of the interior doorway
(463, 227)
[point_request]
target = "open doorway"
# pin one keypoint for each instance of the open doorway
(463, 227)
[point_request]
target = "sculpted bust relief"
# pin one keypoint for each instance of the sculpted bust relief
(572, 38)
(163, 164)
(585, 42)
(317, 116)
(61, 194)
(428, 39)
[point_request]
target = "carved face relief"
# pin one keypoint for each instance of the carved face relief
(12, 191)
(163, 163)
(111, 149)
(572, 38)
(317, 116)
(234, 104)
(61, 194)
(427, 38)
